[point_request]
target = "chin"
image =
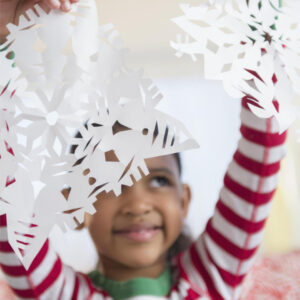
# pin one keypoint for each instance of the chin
(141, 258)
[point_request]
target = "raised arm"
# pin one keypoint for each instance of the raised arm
(47, 278)
(219, 260)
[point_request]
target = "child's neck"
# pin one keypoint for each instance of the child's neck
(119, 272)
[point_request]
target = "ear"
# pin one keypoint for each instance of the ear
(185, 199)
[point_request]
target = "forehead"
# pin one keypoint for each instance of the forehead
(166, 162)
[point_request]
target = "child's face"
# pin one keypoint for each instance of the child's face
(137, 228)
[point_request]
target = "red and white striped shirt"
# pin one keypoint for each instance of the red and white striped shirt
(215, 264)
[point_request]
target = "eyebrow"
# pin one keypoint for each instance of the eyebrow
(163, 170)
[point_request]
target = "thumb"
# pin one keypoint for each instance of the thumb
(7, 15)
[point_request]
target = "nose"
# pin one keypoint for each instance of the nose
(136, 201)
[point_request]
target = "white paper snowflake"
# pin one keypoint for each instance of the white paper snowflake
(125, 130)
(7, 89)
(69, 82)
(43, 65)
(235, 36)
(7, 159)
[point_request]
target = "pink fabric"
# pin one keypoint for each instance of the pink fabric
(273, 278)
(5, 292)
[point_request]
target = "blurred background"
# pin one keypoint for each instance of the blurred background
(207, 112)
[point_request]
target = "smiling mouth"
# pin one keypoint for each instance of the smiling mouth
(139, 234)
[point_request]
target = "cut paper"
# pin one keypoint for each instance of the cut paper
(76, 122)
(126, 130)
(236, 35)
(7, 159)
(43, 65)
(8, 75)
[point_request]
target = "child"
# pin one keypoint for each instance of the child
(134, 232)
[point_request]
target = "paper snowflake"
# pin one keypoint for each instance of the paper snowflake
(234, 37)
(7, 159)
(7, 89)
(125, 130)
(73, 89)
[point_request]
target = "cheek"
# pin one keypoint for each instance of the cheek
(173, 218)
(100, 226)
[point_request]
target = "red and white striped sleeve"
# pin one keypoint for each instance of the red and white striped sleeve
(219, 260)
(47, 277)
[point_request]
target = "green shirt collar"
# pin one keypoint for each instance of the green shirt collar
(159, 286)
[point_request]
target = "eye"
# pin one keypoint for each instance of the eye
(159, 181)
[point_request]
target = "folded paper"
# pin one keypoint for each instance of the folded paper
(245, 42)
(75, 121)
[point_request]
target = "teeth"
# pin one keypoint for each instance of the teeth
(142, 230)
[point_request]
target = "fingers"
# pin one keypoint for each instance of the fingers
(54, 4)
(63, 5)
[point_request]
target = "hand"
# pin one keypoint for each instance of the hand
(10, 10)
